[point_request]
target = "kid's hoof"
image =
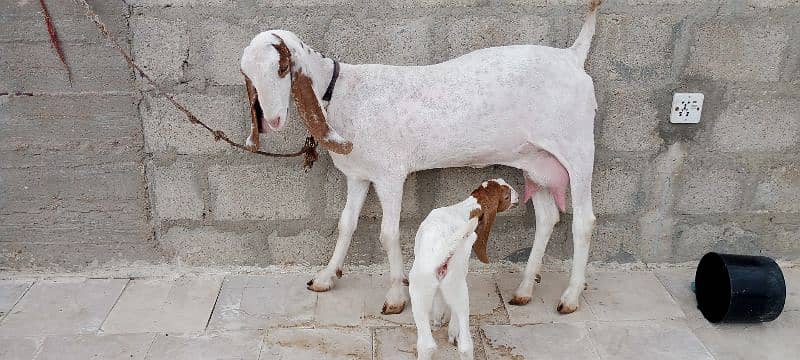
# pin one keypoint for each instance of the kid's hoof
(313, 286)
(565, 309)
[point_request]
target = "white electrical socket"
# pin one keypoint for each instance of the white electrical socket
(686, 108)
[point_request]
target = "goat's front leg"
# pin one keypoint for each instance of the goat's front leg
(390, 194)
(356, 193)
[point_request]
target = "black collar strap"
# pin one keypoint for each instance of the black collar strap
(329, 91)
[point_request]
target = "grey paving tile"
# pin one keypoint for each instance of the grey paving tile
(400, 343)
(313, 344)
(10, 292)
(238, 345)
(19, 348)
(678, 283)
(259, 302)
(630, 295)
(164, 305)
(62, 307)
(776, 340)
(541, 341)
(792, 278)
(546, 294)
(652, 340)
(103, 347)
(344, 304)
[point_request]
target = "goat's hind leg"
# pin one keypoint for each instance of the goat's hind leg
(423, 289)
(356, 193)
(547, 216)
(582, 226)
(456, 295)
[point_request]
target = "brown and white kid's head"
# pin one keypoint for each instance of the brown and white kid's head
(493, 196)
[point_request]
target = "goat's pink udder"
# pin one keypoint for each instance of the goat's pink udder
(549, 168)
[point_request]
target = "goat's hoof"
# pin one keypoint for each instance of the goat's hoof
(520, 300)
(538, 278)
(389, 309)
(565, 309)
(313, 286)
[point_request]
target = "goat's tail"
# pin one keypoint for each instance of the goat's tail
(584, 40)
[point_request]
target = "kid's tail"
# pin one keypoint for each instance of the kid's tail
(584, 40)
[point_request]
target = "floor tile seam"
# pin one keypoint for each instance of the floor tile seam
(16, 302)
(111, 309)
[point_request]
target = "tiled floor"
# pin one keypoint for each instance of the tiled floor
(624, 315)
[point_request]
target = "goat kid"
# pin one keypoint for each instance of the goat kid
(442, 247)
(525, 106)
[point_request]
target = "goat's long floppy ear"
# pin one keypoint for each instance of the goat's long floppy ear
(310, 110)
(255, 115)
(308, 106)
(485, 222)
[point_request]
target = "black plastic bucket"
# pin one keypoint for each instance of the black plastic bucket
(739, 288)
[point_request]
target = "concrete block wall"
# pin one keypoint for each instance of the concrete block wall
(662, 193)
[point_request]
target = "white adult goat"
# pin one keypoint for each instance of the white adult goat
(525, 106)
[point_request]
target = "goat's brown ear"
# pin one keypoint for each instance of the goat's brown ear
(485, 222)
(255, 115)
(311, 112)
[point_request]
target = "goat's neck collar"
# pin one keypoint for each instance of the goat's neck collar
(332, 83)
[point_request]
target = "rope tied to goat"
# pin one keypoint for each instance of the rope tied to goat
(309, 149)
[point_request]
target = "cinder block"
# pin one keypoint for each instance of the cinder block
(95, 68)
(396, 42)
(177, 192)
(710, 190)
(779, 189)
(630, 122)
(270, 191)
(24, 21)
(465, 34)
(631, 48)
(739, 49)
(336, 197)
(167, 129)
(77, 256)
(209, 246)
(411, 4)
(456, 184)
(615, 190)
(309, 247)
(615, 242)
(758, 123)
(305, 3)
(161, 42)
(100, 196)
(69, 130)
(692, 241)
(216, 50)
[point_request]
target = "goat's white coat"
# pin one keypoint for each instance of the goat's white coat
(508, 105)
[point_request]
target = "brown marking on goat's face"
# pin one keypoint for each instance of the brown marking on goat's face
(493, 198)
(311, 112)
(285, 61)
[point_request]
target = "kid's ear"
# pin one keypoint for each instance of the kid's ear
(485, 222)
